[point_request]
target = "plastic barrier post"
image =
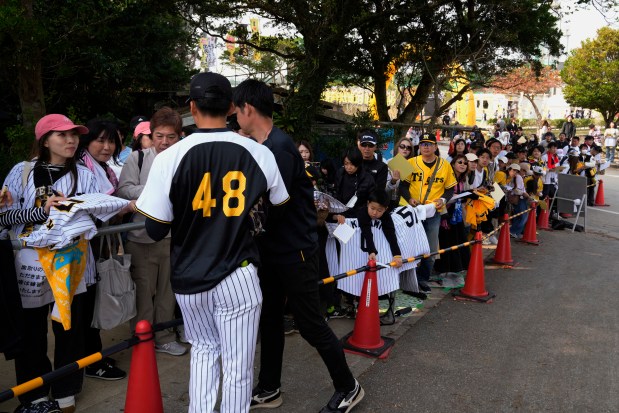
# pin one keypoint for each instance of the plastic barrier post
(530, 230)
(475, 284)
(503, 252)
(143, 390)
(599, 197)
(365, 339)
(544, 216)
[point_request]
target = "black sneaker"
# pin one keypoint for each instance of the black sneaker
(424, 288)
(264, 399)
(49, 406)
(351, 312)
(105, 371)
(290, 327)
(336, 312)
(343, 402)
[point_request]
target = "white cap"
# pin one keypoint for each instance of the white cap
(471, 157)
(514, 166)
(503, 159)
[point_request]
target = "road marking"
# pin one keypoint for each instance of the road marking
(603, 210)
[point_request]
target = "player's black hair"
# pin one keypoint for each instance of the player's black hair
(111, 132)
(379, 196)
(551, 144)
(354, 156)
(215, 107)
(482, 151)
(256, 93)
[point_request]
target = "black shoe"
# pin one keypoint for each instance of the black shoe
(336, 312)
(264, 399)
(290, 327)
(105, 371)
(343, 402)
(48, 406)
(388, 318)
(421, 296)
(351, 312)
(424, 288)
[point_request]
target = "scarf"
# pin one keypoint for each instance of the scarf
(553, 161)
(106, 178)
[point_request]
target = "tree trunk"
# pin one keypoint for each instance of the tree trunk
(303, 104)
(380, 96)
(418, 100)
(538, 114)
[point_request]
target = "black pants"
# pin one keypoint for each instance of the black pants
(298, 282)
(92, 336)
(69, 347)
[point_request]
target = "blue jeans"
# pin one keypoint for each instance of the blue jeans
(518, 223)
(610, 153)
(431, 226)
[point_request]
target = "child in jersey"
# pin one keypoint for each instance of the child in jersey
(377, 205)
(376, 210)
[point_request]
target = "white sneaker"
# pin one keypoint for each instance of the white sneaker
(173, 348)
(493, 240)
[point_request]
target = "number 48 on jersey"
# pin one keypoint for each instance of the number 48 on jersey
(233, 202)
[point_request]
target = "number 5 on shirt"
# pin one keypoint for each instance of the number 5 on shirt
(203, 199)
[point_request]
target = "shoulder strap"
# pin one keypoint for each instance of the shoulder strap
(425, 198)
(140, 159)
(24, 174)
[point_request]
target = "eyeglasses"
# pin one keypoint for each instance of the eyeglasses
(426, 144)
(404, 147)
(367, 145)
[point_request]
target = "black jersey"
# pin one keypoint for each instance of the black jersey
(205, 186)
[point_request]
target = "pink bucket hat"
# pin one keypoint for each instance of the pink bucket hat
(59, 123)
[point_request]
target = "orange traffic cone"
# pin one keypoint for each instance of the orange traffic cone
(503, 252)
(599, 197)
(475, 284)
(530, 232)
(143, 390)
(544, 215)
(365, 339)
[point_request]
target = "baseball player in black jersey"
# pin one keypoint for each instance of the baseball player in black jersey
(203, 188)
(289, 254)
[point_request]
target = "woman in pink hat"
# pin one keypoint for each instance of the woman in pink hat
(36, 186)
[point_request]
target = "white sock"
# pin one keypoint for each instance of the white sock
(42, 399)
(66, 401)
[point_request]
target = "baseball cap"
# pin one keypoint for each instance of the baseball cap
(471, 157)
(368, 137)
(56, 122)
(573, 152)
(209, 85)
(503, 159)
(136, 120)
(521, 140)
(537, 169)
(514, 166)
(142, 128)
(428, 138)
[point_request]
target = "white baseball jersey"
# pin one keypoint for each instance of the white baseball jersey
(72, 218)
(205, 186)
(411, 239)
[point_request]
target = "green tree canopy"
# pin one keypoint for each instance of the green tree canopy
(591, 74)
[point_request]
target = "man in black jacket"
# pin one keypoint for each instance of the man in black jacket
(289, 254)
(367, 141)
(569, 128)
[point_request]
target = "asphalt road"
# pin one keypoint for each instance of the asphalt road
(548, 343)
(605, 220)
